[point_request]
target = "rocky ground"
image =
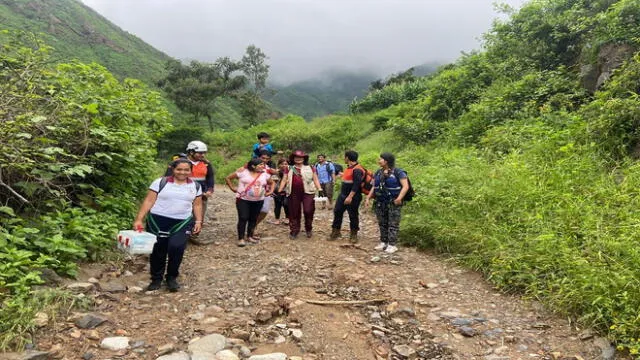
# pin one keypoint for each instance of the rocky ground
(306, 299)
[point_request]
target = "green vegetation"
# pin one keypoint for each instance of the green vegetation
(78, 32)
(524, 157)
(319, 97)
(76, 150)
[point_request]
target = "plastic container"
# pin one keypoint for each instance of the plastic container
(321, 199)
(136, 242)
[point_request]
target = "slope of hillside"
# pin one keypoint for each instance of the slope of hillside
(318, 97)
(78, 32)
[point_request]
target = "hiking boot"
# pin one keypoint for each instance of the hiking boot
(353, 236)
(391, 249)
(154, 285)
(335, 234)
(172, 284)
(381, 246)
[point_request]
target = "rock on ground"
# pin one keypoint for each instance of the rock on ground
(175, 356)
(209, 344)
(115, 343)
(273, 356)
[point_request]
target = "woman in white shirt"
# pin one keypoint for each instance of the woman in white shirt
(174, 208)
(254, 184)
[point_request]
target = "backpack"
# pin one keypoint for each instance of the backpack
(165, 179)
(338, 167)
(366, 185)
(328, 167)
(411, 192)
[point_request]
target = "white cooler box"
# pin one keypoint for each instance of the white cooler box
(136, 242)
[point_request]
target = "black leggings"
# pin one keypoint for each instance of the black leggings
(281, 202)
(248, 212)
(169, 248)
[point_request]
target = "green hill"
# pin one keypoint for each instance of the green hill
(78, 32)
(330, 94)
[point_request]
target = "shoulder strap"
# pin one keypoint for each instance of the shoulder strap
(164, 180)
(397, 171)
(246, 190)
(163, 183)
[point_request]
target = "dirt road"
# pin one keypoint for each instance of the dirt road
(432, 309)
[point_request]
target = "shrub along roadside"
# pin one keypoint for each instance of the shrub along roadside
(549, 222)
(76, 151)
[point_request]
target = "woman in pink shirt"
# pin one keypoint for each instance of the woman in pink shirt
(254, 184)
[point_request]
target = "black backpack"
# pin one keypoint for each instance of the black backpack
(338, 167)
(411, 192)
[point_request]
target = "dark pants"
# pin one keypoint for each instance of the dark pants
(171, 247)
(299, 203)
(328, 190)
(351, 209)
(388, 215)
(248, 212)
(281, 203)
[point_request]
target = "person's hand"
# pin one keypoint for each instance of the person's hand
(397, 202)
(137, 225)
(197, 227)
(348, 200)
(321, 193)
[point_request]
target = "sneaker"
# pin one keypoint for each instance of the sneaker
(381, 246)
(309, 234)
(241, 243)
(391, 249)
(173, 285)
(154, 285)
(253, 241)
(292, 236)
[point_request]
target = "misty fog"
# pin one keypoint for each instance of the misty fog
(305, 38)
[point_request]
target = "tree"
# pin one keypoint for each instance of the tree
(255, 68)
(196, 87)
(399, 78)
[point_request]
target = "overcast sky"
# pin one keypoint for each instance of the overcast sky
(304, 38)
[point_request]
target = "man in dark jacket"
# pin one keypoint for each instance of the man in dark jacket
(350, 197)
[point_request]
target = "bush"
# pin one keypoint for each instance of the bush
(77, 148)
(389, 95)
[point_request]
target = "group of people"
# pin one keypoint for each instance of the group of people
(175, 204)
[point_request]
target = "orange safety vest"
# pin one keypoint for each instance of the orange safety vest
(199, 171)
(347, 176)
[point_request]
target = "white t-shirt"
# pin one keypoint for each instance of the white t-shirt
(175, 200)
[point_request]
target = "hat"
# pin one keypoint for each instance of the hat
(299, 153)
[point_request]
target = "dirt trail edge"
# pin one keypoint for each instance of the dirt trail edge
(423, 307)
